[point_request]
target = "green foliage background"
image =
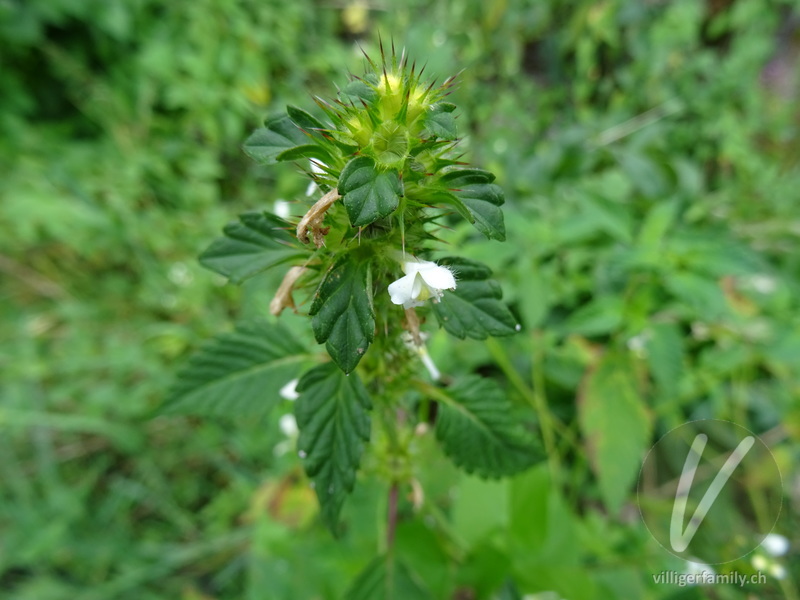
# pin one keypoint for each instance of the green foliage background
(649, 155)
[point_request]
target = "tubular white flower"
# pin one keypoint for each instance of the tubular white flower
(423, 279)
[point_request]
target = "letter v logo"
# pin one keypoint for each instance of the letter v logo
(679, 538)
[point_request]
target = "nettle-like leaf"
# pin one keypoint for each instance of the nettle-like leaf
(483, 199)
(475, 308)
(368, 193)
(481, 432)
(333, 418)
(616, 425)
(238, 373)
(343, 316)
(441, 122)
(278, 135)
(257, 242)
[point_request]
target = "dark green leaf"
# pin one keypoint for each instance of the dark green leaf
(239, 373)
(441, 122)
(475, 308)
(616, 426)
(482, 198)
(259, 241)
(333, 418)
(368, 194)
(343, 313)
(481, 432)
(438, 196)
(277, 135)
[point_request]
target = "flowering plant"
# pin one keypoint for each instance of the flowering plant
(381, 159)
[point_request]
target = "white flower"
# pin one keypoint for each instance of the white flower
(289, 391)
(423, 279)
(288, 425)
(775, 544)
(282, 208)
(316, 169)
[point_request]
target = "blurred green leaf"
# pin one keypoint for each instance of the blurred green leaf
(386, 578)
(616, 426)
(602, 315)
(665, 349)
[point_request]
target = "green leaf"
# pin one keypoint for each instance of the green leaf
(475, 308)
(602, 315)
(304, 151)
(277, 135)
(616, 426)
(304, 120)
(433, 196)
(441, 122)
(259, 241)
(343, 313)
(482, 198)
(333, 418)
(368, 194)
(238, 373)
(356, 91)
(386, 578)
(481, 433)
(665, 358)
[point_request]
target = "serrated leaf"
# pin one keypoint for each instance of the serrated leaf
(482, 198)
(333, 418)
(616, 426)
(278, 134)
(257, 242)
(368, 194)
(475, 308)
(342, 312)
(238, 373)
(481, 432)
(441, 122)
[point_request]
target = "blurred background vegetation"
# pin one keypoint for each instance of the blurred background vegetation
(649, 153)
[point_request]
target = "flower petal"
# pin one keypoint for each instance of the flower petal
(439, 278)
(402, 290)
